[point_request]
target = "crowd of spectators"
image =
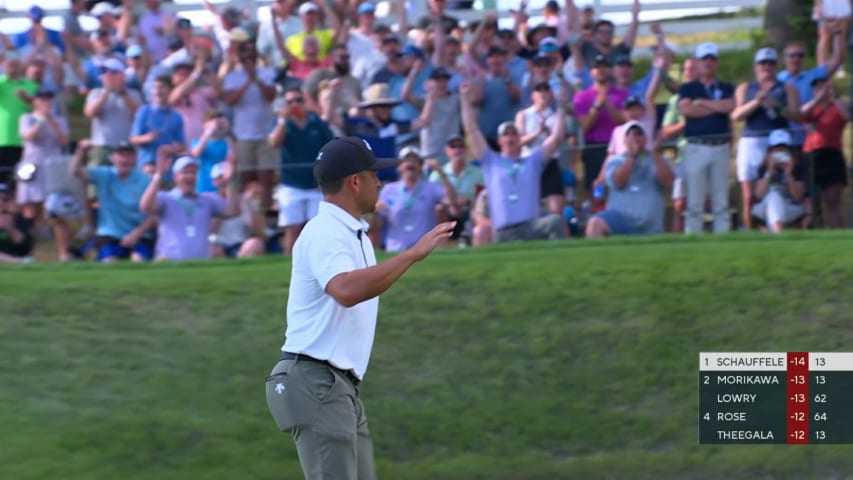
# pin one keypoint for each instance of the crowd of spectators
(200, 142)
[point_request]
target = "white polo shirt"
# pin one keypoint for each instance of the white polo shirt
(317, 325)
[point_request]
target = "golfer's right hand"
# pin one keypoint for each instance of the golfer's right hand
(432, 239)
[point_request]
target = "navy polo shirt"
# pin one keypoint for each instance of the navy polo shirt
(717, 124)
(300, 149)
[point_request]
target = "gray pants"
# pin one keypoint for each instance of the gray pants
(322, 409)
(549, 227)
(707, 167)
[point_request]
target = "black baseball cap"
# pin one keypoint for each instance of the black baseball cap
(125, 147)
(5, 189)
(44, 92)
(623, 60)
(602, 60)
(344, 156)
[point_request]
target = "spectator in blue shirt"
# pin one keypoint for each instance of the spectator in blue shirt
(214, 146)
(299, 135)
(38, 31)
(156, 124)
(123, 230)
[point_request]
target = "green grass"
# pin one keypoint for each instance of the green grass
(544, 361)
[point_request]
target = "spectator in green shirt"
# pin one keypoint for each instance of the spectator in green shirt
(15, 99)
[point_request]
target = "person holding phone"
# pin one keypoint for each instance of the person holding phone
(781, 187)
(298, 135)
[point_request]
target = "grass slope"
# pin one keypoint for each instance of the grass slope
(546, 361)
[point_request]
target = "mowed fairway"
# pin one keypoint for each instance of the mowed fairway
(541, 361)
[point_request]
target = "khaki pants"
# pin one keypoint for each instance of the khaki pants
(322, 409)
(707, 167)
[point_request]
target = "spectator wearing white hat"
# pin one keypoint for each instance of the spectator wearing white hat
(111, 108)
(241, 236)
(251, 91)
(123, 231)
(781, 187)
(185, 216)
(309, 15)
(413, 205)
(706, 104)
(764, 104)
(637, 181)
(513, 180)
(156, 25)
(117, 21)
(104, 50)
(298, 135)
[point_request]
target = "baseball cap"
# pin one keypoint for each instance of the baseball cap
(602, 60)
(307, 8)
(633, 100)
(552, 5)
(778, 137)
(541, 58)
(133, 51)
(344, 156)
(5, 188)
(217, 170)
(413, 51)
(182, 163)
(502, 128)
(125, 147)
(707, 49)
(36, 12)
(112, 65)
(44, 92)
(184, 23)
(101, 8)
(766, 55)
(455, 138)
(548, 44)
(632, 125)
(440, 72)
(623, 60)
(366, 7)
(409, 150)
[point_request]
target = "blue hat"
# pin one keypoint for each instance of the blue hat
(366, 7)
(413, 51)
(36, 12)
(133, 51)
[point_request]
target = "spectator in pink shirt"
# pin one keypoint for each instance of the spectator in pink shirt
(194, 95)
(598, 109)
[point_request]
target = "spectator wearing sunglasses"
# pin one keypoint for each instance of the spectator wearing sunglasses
(104, 50)
(466, 178)
(602, 39)
(794, 56)
(764, 104)
(298, 135)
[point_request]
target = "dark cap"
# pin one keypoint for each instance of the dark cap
(542, 58)
(175, 43)
(125, 147)
(44, 92)
(552, 5)
(623, 60)
(601, 60)
(542, 87)
(633, 100)
(495, 50)
(5, 189)
(344, 156)
(439, 73)
(184, 23)
(454, 138)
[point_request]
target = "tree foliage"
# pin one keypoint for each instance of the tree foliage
(788, 20)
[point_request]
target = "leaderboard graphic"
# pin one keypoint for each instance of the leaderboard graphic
(776, 397)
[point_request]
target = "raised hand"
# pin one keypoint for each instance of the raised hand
(432, 239)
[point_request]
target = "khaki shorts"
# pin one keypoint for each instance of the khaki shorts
(254, 155)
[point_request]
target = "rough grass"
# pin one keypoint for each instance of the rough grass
(542, 361)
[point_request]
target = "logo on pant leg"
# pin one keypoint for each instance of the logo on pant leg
(279, 388)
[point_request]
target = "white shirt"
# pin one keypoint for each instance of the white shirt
(317, 325)
(253, 115)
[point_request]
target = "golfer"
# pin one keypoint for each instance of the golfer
(331, 317)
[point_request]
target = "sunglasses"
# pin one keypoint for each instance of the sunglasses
(796, 54)
(604, 30)
(291, 101)
(767, 62)
(456, 145)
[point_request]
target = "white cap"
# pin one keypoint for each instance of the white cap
(779, 137)
(707, 49)
(113, 65)
(217, 171)
(410, 150)
(765, 54)
(633, 124)
(102, 8)
(182, 163)
(307, 8)
(502, 128)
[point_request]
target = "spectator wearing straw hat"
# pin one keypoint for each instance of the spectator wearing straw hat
(184, 215)
(706, 103)
(764, 104)
(379, 129)
(298, 135)
(413, 205)
(123, 230)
